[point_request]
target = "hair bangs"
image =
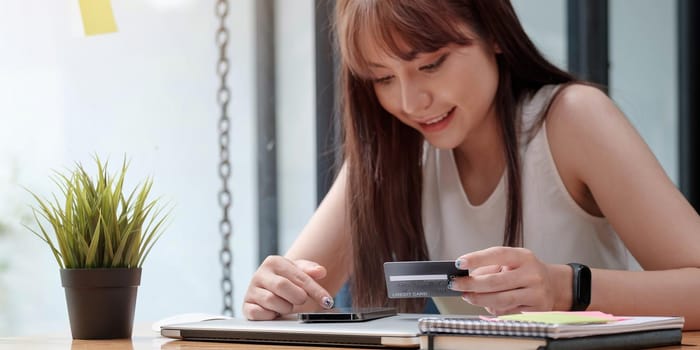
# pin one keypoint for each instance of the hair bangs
(397, 29)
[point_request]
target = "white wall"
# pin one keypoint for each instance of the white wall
(296, 116)
(147, 91)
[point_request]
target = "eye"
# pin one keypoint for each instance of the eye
(383, 80)
(435, 65)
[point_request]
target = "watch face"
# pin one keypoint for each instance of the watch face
(581, 288)
(584, 284)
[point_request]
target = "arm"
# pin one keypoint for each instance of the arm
(326, 239)
(608, 170)
(314, 268)
(595, 145)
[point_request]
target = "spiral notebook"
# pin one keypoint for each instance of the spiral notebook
(631, 332)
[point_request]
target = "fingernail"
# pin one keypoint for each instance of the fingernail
(459, 263)
(327, 302)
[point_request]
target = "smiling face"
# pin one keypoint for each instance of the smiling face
(446, 94)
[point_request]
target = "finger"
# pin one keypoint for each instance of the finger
(521, 309)
(311, 268)
(506, 256)
(269, 300)
(285, 289)
(491, 283)
(499, 302)
(290, 271)
(491, 311)
(256, 312)
(462, 283)
(517, 310)
(485, 270)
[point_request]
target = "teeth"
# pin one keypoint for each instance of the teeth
(437, 119)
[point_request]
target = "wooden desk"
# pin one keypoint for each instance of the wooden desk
(150, 340)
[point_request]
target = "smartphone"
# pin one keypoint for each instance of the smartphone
(347, 314)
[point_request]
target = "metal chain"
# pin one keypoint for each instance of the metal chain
(223, 97)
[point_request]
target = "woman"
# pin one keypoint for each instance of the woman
(462, 142)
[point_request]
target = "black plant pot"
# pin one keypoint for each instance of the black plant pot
(101, 301)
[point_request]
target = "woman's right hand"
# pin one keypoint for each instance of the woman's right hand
(282, 286)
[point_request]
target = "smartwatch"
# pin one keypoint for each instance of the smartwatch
(581, 297)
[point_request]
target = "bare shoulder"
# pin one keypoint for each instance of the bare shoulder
(583, 119)
(582, 109)
(585, 129)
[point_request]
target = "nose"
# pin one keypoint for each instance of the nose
(414, 99)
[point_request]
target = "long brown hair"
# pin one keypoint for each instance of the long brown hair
(383, 155)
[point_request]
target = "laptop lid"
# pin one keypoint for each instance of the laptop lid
(395, 331)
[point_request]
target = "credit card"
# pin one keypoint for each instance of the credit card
(420, 279)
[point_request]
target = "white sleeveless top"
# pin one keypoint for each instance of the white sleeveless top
(555, 227)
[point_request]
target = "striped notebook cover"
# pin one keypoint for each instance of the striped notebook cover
(477, 326)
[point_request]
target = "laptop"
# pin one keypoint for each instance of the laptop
(400, 330)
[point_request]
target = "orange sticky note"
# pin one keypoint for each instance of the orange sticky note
(97, 16)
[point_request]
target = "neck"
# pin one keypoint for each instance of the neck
(482, 154)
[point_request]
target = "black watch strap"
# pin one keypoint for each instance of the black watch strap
(581, 296)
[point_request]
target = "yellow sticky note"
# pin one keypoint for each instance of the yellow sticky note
(98, 17)
(555, 318)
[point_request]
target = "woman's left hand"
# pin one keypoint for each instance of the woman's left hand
(507, 280)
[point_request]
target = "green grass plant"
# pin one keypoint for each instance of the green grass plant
(95, 224)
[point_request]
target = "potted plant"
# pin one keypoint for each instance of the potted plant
(102, 237)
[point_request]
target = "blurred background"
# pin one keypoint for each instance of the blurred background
(148, 92)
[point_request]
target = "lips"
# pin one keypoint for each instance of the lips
(437, 123)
